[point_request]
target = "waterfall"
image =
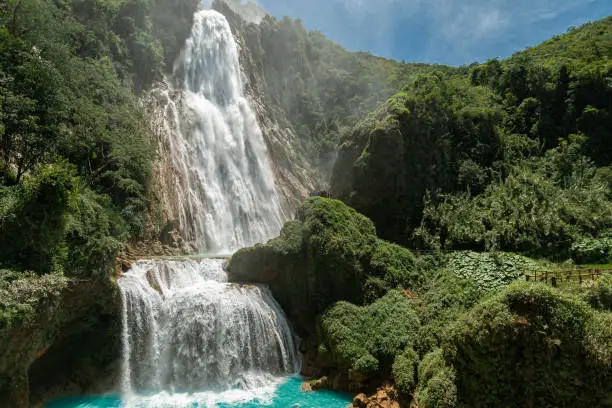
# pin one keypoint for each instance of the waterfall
(187, 329)
(223, 186)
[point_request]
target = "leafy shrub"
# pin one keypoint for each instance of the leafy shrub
(592, 250)
(373, 289)
(437, 381)
(381, 330)
(94, 234)
(33, 216)
(529, 337)
(432, 363)
(439, 391)
(598, 340)
(599, 295)
(395, 265)
(467, 277)
(22, 293)
(367, 364)
(404, 371)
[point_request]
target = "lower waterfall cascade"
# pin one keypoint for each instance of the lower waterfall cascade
(185, 328)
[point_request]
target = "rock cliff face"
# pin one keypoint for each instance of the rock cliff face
(63, 336)
(294, 175)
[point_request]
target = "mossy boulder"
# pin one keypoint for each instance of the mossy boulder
(548, 344)
(327, 254)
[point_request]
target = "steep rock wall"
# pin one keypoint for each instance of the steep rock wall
(64, 327)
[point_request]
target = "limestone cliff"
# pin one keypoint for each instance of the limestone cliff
(56, 336)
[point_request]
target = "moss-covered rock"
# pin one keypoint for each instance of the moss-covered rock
(367, 338)
(536, 339)
(329, 253)
(37, 315)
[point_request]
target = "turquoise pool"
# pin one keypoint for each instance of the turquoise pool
(284, 393)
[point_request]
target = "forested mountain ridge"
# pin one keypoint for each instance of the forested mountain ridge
(445, 163)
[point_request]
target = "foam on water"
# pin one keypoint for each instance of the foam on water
(280, 393)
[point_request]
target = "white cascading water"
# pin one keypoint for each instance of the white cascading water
(185, 329)
(224, 184)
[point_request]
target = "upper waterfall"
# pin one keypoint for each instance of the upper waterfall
(222, 180)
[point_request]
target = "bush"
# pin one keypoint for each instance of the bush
(404, 371)
(467, 277)
(395, 265)
(599, 295)
(21, 294)
(356, 336)
(431, 364)
(439, 391)
(33, 217)
(530, 337)
(94, 234)
(592, 250)
(598, 341)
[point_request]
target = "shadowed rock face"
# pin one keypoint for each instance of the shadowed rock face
(64, 310)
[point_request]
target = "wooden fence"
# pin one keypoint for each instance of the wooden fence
(556, 277)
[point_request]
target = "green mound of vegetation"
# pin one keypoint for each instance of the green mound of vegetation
(329, 253)
(533, 338)
(511, 155)
(368, 338)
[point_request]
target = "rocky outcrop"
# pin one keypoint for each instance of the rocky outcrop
(50, 314)
(329, 253)
(386, 396)
(317, 260)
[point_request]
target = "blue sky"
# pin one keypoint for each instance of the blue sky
(452, 32)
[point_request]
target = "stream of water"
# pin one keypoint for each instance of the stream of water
(189, 338)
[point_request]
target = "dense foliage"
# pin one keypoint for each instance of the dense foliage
(75, 156)
(513, 156)
(452, 330)
(369, 338)
(533, 338)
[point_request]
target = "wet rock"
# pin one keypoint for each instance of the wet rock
(320, 384)
(385, 397)
(360, 401)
